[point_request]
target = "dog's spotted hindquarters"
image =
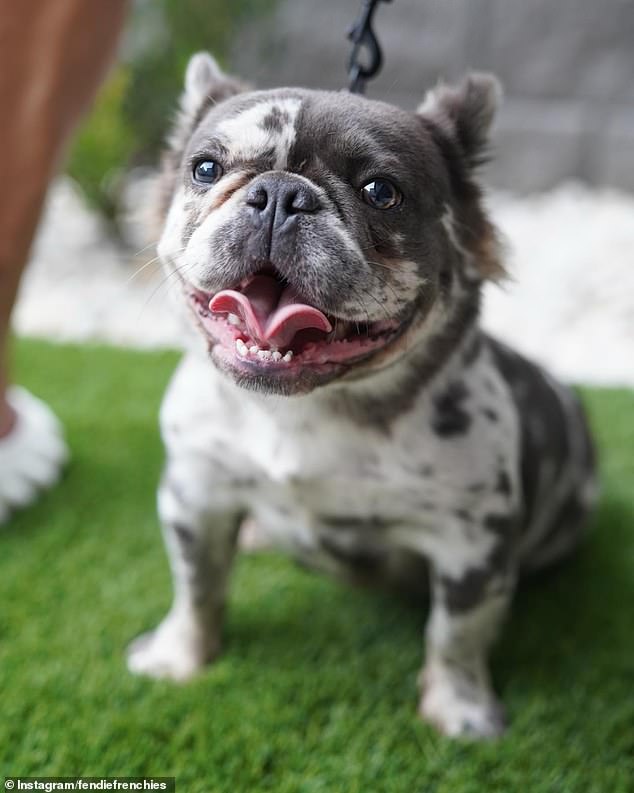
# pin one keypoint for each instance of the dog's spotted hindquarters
(330, 251)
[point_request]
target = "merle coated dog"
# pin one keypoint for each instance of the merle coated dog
(331, 252)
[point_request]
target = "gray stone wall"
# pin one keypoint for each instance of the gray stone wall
(567, 67)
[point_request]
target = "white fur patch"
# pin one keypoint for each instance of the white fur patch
(457, 695)
(200, 252)
(448, 222)
(170, 245)
(176, 650)
(246, 138)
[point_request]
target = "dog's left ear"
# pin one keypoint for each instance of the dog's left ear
(465, 112)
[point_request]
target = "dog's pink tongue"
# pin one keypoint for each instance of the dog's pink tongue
(254, 305)
(272, 314)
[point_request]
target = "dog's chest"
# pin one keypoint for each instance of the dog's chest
(320, 482)
(308, 477)
(322, 485)
(328, 467)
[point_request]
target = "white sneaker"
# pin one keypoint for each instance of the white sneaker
(32, 455)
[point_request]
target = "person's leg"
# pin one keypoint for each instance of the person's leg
(53, 56)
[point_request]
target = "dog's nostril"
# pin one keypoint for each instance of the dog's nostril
(280, 198)
(257, 197)
(300, 199)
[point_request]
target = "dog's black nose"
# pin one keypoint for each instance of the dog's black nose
(277, 197)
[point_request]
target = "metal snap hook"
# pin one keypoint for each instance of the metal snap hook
(362, 36)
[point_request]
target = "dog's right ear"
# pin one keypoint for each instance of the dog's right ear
(206, 84)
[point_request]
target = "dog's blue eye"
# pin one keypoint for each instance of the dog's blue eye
(207, 172)
(381, 194)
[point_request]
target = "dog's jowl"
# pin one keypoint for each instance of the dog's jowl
(330, 252)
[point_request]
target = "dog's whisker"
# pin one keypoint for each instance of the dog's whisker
(177, 271)
(151, 262)
(146, 247)
(388, 285)
(379, 304)
(139, 270)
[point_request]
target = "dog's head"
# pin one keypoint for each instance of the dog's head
(320, 236)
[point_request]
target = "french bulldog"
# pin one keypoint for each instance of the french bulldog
(330, 251)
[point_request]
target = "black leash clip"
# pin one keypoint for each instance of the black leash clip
(362, 35)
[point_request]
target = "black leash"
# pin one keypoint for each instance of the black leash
(361, 35)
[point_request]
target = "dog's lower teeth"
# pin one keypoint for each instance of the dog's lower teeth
(241, 347)
(232, 319)
(254, 349)
(264, 355)
(276, 355)
(288, 356)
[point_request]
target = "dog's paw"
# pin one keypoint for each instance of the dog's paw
(32, 455)
(459, 708)
(173, 651)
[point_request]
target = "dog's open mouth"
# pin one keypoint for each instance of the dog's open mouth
(263, 321)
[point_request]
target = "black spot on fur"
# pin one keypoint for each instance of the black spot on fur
(450, 418)
(503, 484)
(445, 279)
(490, 414)
(465, 593)
(463, 514)
(185, 535)
(486, 580)
(490, 578)
(372, 523)
(364, 560)
(275, 120)
(500, 525)
(472, 350)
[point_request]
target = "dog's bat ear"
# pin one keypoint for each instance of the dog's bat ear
(206, 84)
(465, 112)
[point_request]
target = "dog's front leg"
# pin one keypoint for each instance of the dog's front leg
(465, 617)
(201, 543)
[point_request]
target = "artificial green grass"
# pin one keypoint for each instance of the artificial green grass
(316, 690)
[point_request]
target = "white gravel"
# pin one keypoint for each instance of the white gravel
(570, 303)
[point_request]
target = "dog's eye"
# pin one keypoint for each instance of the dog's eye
(207, 172)
(381, 194)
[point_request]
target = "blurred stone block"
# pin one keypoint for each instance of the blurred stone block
(567, 68)
(616, 150)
